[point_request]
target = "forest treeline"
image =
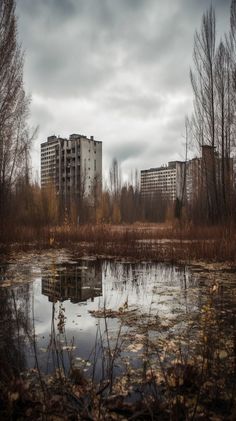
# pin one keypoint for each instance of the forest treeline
(213, 123)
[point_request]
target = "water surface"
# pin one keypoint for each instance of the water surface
(52, 306)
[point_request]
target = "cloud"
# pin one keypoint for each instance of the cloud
(118, 70)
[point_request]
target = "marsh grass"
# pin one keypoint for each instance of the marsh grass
(139, 241)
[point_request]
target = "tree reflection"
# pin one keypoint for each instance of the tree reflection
(15, 328)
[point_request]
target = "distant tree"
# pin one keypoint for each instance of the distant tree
(116, 217)
(50, 206)
(115, 178)
(103, 211)
(155, 207)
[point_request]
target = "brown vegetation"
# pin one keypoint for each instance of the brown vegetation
(139, 241)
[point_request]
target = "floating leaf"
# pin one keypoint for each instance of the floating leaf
(223, 354)
(134, 347)
(68, 347)
(14, 396)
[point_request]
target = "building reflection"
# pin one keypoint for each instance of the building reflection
(75, 282)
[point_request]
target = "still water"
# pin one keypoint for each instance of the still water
(58, 311)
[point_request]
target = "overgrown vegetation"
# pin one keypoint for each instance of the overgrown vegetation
(27, 212)
(138, 241)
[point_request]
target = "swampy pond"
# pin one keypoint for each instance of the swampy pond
(134, 327)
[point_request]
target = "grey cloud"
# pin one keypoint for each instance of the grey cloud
(79, 46)
(128, 149)
(76, 55)
(125, 58)
(135, 104)
(41, 115)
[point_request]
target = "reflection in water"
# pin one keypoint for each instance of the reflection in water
(15, 328)
(157, 312)
(74, 282)
(67, 286)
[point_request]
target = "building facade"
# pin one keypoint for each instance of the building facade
(73, 166)
(190, 180)
(165, 180)
(48, 161)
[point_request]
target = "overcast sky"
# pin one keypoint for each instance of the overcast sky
(114, 69)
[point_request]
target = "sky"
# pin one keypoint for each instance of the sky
(114, 69)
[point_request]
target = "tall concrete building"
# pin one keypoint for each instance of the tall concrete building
(73, 166)
(48, 161)
(165, 180)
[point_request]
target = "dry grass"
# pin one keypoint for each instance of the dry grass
(139, 241)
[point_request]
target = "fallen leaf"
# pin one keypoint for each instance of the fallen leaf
(134, 347)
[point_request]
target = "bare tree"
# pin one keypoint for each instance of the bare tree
(14, 105)
(224, 113)
(203, 83)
